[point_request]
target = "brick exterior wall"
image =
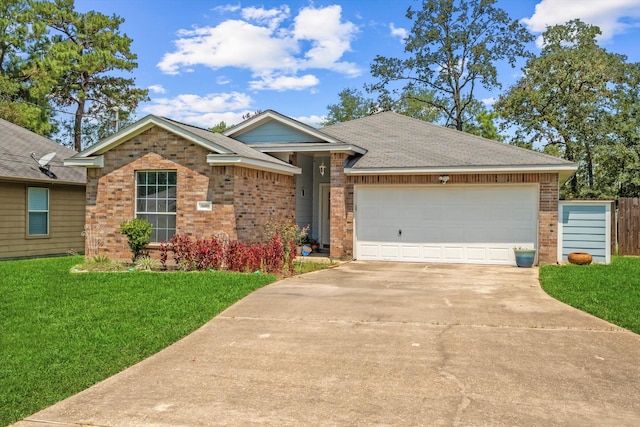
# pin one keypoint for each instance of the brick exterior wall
(242, 198)
(547, 216)
(341, 242)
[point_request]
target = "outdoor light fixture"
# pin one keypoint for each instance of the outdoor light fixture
(322, 168)
(444, 178)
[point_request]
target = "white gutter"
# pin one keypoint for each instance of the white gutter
(565, 172)
(308, 147)
(87, 162)
(224, 160)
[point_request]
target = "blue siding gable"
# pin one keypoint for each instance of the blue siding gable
(275, 132)
(585, 229)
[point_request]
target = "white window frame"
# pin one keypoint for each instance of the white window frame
(30, 210)
(139, 214)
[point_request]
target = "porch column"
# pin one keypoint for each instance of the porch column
(337, 211)
(548, 220)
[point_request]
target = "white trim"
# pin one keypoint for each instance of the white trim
(30, 210)
(143, 125)
(607, 212)
(321, 187)
(235, 160)
(460, 169)
(308, 147)
(256, 121)
(87, 162)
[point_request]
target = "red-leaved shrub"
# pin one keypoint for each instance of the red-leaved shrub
(206, 254)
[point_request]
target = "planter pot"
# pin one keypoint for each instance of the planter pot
(525, 257)
(580, 258)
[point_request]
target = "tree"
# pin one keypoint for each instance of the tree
(85, 55)
(353, 105)
(22, 98)
(452, 47)
(219, 128)
(413, 104)
(482, 123)
(580, 101)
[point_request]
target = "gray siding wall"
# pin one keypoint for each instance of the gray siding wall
(304, 204)
(273, 132)
(584, 229)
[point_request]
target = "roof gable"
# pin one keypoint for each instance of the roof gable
(274, 131)
(16, 162)
(224, 150)
(274, 127)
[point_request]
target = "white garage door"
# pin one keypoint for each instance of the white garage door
(445, 223)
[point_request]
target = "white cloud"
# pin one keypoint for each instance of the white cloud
(329, 36)
(313, 121)
(156, 89)
(489, 101)
(612, 16)
(223, 80)
(272, 18)
(201, 110)
(274, 52)
(284, 82)
(401, 33)
(226, 8)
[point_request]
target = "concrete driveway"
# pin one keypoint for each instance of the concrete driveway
(381, 344)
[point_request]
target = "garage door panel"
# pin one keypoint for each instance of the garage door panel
(453, 253)
(390, 251)
(475, 224)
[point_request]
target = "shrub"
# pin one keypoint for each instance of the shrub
(138, 232)
(146, 263)
(215, 253)
(274, 255)
(234, 257)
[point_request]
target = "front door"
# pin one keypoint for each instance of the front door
(324, 223)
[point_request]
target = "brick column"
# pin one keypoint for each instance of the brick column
(548, 220)
(337, 206)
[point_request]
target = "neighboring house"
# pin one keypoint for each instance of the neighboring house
(41, 208)
(384, 187)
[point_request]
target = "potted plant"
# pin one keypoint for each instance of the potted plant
(301, 237)
(525, 257)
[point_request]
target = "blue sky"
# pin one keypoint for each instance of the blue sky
(211, 61)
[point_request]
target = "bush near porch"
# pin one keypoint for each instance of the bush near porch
(610, 292)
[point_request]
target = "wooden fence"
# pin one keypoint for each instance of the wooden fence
(629, 226)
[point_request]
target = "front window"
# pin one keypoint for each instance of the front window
(38, 199)
(156, 202)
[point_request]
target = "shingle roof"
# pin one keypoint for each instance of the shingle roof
(16, 146)
(393, 140)
(230, 144)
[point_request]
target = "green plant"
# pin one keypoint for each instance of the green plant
(90, 326)
(101, 263)
(146, 263)
(101, 259)
(610, 292)
(138, 232)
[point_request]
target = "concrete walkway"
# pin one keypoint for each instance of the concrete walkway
(384, 345)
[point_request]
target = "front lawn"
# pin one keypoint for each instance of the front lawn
(62, 332)
(611, 292)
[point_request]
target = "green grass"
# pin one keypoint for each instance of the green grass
(610, 292)
(62, 332)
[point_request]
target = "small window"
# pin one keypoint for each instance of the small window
(156, 202)
(38, 200)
